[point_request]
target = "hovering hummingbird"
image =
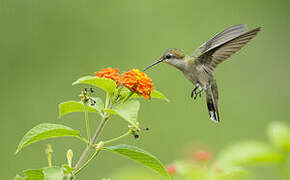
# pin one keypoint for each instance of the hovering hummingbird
(199, 67)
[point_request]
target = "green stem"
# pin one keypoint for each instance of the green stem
(118, 138)
(49, 160)
(129, 95)
(98, 149)
(107, 101)
(83, 139)
(86, 152)
(87, 121)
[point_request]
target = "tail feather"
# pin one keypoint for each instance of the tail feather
(212, 102)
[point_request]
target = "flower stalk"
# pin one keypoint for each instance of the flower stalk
(87, 121)
(90, 145)
(98, 149)
(119, 137)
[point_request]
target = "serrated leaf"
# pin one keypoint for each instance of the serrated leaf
(141, 156)
(128, 111)
(279, 134)
(31, 174)
(46, 131)
(154, 94)
(53, 173)
(107, 85)
(77, 106)
(250, 153)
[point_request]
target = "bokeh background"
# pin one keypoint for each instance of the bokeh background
(46, 45)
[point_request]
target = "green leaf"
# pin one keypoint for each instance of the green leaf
(107, 85)
(17, 177)
(154, 94)
(31, 174)
(77, 106)
(250, 153)
(48, 173)
(67, 169)
(128, 111)
(99, 105)
(279, 134)
(141, 156)
(157, 94)
(46, 131)
(53, 173)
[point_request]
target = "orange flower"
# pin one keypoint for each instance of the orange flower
(137, 82)
(202, 156)
(171, 169)
(109, 73)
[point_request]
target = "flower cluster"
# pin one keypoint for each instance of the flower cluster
(134, 80)
(109, 73)
(138, 82)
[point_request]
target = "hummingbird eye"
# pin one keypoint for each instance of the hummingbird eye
(168, 56)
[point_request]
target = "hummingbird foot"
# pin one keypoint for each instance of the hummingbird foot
(196, 91)
(193, 91)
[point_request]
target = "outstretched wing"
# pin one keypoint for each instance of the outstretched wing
(219, 39)
(223, 45)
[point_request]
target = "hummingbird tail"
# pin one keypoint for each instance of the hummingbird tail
(212, 102)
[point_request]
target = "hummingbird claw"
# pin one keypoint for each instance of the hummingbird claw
(193, 91)
(195, 96)
(197, 93)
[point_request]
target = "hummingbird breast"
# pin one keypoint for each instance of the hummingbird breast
(191, 76)
(197, 74)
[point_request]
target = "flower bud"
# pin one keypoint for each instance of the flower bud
(69, 156)
(48, 152)
(100, 145)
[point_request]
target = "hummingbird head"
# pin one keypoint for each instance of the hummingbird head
(172, 56)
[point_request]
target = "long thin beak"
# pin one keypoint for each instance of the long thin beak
(153, 64)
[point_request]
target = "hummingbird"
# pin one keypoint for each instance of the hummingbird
(199, 67)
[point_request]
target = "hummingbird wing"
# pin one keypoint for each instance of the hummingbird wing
(223, 45)
(219, 39)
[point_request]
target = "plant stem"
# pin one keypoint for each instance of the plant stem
(107, 101)
(99, 129)
(98, 149)
(87, 121)
(83, 139)
(129, 95)
(87, 150)
(118, 138)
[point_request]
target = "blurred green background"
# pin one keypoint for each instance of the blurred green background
(46, 45)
